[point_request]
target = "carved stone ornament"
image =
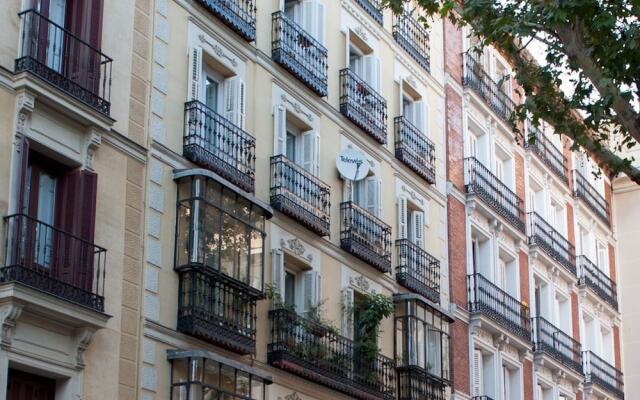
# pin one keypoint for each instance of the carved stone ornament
(414, 196)
(83, 339)
(361, 283)
(218, 50)
(296, 246)
(296, 107)
(9, 313)
(25, 104)
(360, 31)
(94, 139)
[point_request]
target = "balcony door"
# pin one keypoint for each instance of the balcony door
(25, 386)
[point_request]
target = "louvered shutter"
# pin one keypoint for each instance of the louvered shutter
(277, 271)
(375, 61)
(310, 294)
(419, 116)
(347, 314)
(417, 226)
(307, 21)
(477, 383)
(603, 259)
(308, 152)
(195, 73)
(234, 100)
(320, 21)
(401, 93)
(402, 217)
(371, 200)
(279, 129)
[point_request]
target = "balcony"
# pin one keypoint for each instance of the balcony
(365, 236)
(489, 188)
(557, 344)
(548, 153)
(300, 195)
(373, 8)
(582, 189)
(415, 150)
(418, 270)
(481, 398)
(65, 61)
(416, 384)
(363, 105)
(601, 373)
(488, 299)
(239, 15)
(591, 276)
(215, 143)
(413, 38)
(480, 82)
(543, 235)
(55, 262)
(303, 347)
(299, 53)
(212, 308)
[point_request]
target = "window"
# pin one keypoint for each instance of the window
(545, 393)
(542, 299)
(557, 217)
(309, 14)
(366, 194)
(299, 142)
(607, 345)
(563, 314)
(412, 107)
(507, 275)
(510, 383)
(504, 168)
(603, 257)
(25, 386)
(364, 63)
(536, 198)
(481, 256)
(478, 144)
(483, 374)
(502, 77)
(298, 285)
(411, 222)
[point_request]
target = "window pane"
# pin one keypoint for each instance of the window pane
(182, 245)
(242, 384)
(179, 368)
(211, 236)
(228, 245)
(212, 373)
(435, 353)
(228, 379)
(257, 262)
(257, 389)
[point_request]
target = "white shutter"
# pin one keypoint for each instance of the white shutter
(320, 30)
(379, 214)
(401, 93)
(376, 73)
(506, 383)
(417, 226)
(241, 103)
(603, 261)
(371, 71)
(308, 152)
(347, 317)
(419, 116)
(477, 389)
(309, 290)
(402, 217)
(372, 196)
(279, 129)
(307, 20)
(277, 271)
(234, 100)
(195, 73)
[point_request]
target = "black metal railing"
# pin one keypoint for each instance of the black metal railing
(365, 236)
(415, 150)
(490, 91)
(548, 153)
(373, 8)
(54, 261)
(415, 383)
(603, 374)
(299, 53)
(481, 398)
(214, 310)
(553, 341)
(418, 270)
(308, 349)
(300, 195)
(64, 60)
(487, 298)
(551, 242)
(363, 105)
(594, 200)
(413, 38)
(480, 181)
(214, 142)
(239, 15)
(590, 275)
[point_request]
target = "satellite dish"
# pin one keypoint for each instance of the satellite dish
(352, 164)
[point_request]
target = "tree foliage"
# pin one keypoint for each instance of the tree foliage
(591, 45)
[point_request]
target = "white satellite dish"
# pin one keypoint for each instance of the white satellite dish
(352, 164)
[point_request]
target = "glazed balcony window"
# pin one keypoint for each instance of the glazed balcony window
(496, 96)
(63, 49)
(239, 15)
(422, 345)
(412, 37)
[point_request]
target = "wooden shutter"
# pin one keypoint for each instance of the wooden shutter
(402, 217)
(277, 271)
(476, 374)
(347, 312)
(84, 20)
(417, 226)
(279, 129)
(195, 73)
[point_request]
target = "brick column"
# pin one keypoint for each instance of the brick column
(571, 233)
(566, 151)
(607, 197)
(527, 377)
(575, 316)
(523, 260)
(616, 347)
(612, 263)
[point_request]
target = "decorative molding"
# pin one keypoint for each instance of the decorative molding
(9, 314)
(297, 107)
(296, 246)
(413, 195)
(25, 104)
(83, 339)
(291, 396)
(218, 50)
(500, 341)
(360, 282)
(360, 31)
(355, 12)
(94, 139)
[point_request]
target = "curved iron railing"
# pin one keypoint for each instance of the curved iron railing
(239, 15)
(317, 353)
(551, 242)
(413, 38)
(482, 182)
(299, 53)
(214, 142)
(299, 194)
(590, 275)
(64, 60)
(550, 339)
(487, 298)
(54, 261)
(415, 150)
(477, 79)
(365, 236)
(363, 105)
(603, 374)
(373, 8)
(548, 153)
(418, 270)
(594, 200)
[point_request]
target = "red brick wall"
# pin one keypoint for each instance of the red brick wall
(575, 319)
(612, 263)
(519, 161)
(607, 197)
(527, 376)
(571, 233)
(524, 277)
(578, 395)
(460, 357)
(455, 140)
(616, 347)
(457, 252)
(566, 151)
(453, 51)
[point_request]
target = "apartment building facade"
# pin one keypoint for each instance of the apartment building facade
(241, 263)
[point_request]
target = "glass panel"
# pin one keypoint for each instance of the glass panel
(213, 192)
(184, 189)
(434, 364)
(179, 392)
(400, 330)
(421, 349)
(243, 387)
(211, 93)
(228, 379)
(228, 245)
(196, 371)
(211, 239)
(212, 373)
(257, 255)
(182, 246)
(179, 370)
(257, 388)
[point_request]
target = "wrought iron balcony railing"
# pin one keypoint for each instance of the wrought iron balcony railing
(415, 150)
(303, 347)
(54, 261)
(418, 270)
(214, 142)
(548, 153)
(363, 105)
(590, 275)
(415, 383)
(594, 200)
(481, 398)
(413, 38)
(213, 309)
(239, 15)
(551, 340)
(300, 195)
(479, 81)
(365, 236)
(488, 299)
(551, 242)
(299, 53)
(599, 372)
(480, 181)
(373, 8)
(62, 59)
